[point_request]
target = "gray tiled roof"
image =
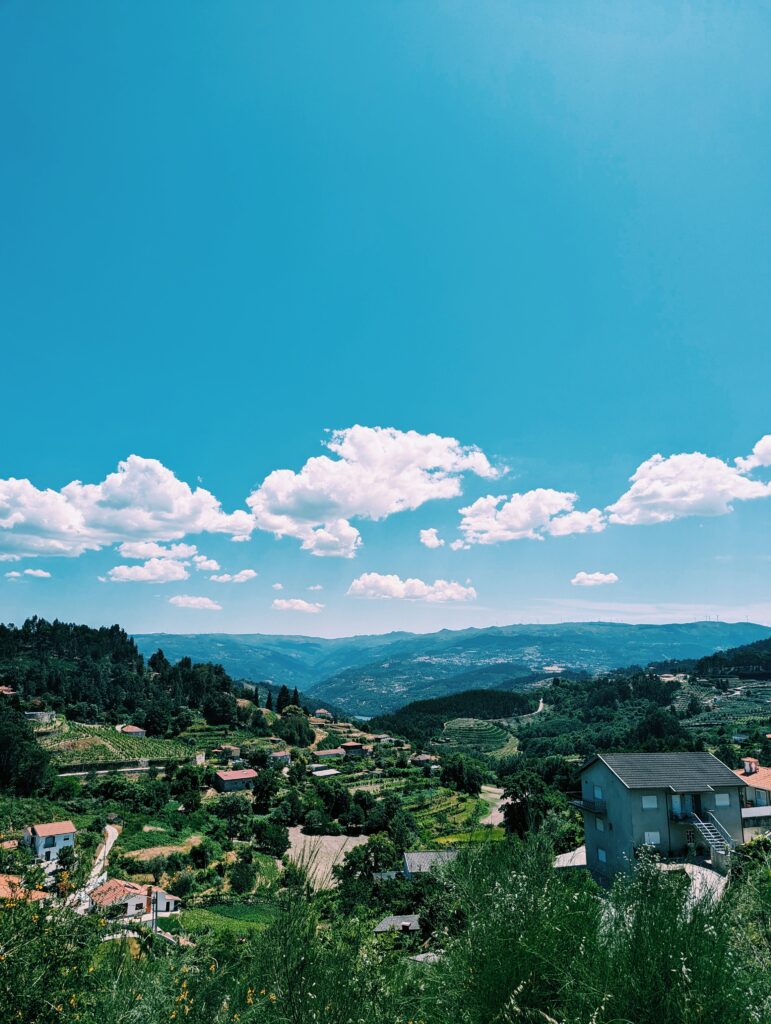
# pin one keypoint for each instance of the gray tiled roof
(405, 922)
(425, 860)
(691, 772)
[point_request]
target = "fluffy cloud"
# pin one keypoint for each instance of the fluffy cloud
(188, 601)
(316, 586)
(149, 549)
(761, 456)
(431, 538)
(40, 574)
(239, 577)
(154, 570)
(279, 586)
(374, 473)
(204, 564)
(530, 515)
(689, 484)
(13, 575)
(374, 585)
(593, 579)
(296, 604)
(143, 500)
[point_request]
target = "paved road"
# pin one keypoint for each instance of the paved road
(494, 797)
(111, 833)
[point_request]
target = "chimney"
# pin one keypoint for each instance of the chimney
(751, 765)
(405, 926)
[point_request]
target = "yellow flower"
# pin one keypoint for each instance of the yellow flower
(272, 997)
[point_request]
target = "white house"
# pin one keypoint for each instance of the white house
(48, 840)
(132, 900)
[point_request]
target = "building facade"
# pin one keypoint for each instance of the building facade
(672, 803)
(49, 839)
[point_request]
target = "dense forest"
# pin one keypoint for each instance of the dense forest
(422, 720)
(95, 675)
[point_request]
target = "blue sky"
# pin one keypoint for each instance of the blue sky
(538, 232)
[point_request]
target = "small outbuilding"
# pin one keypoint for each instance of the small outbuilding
(235, 781)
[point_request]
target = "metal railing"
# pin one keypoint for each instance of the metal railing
(593, 806)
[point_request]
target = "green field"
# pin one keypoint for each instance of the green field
(237, 918)
(472, 735)
(441, 812)
(75, 744)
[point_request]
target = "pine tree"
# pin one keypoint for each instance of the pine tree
(269, 702)
(295, 697)
(283, 699)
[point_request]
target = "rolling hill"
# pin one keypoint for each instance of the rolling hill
(368, 675)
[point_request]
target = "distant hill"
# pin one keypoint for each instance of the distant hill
(368, 675)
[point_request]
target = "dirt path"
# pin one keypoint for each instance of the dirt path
(320, 854)
(493, 795)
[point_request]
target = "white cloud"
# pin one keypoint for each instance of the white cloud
(38, 573)
(375, 585)
(149, 549)
(761, 456)
(459, 545)
(296, 604)
(530, 515)
(13, 575)
(202, 603)
(143, 500)
(375, 473)
(239, 577)
(688, 484)
(316, 586)
(431, 538)
(154, 570)
(593, 579)
(278, 586)
(204, 564)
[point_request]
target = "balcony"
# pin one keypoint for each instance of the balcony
(591, 806)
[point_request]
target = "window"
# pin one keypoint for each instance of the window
(652, 838)
(722, 799)
(598, 792)
(600, 824)
(650, 803)
(602, 857)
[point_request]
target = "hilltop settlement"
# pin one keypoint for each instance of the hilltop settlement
(176, 844)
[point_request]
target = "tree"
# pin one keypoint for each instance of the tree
(283, 699)
(265, 788)
(270, 836)
(23, 763)
(295, 698)
(293, 727)
(463, 773)
(269, 702)
(242, 877)
(527, 803)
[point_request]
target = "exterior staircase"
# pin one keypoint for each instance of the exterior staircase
(715, 837)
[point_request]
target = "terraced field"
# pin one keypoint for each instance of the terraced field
(473, 735)
(75, 744)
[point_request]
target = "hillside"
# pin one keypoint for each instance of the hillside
(369, 675)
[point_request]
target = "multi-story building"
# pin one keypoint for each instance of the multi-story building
(674, 803)
(48, 840)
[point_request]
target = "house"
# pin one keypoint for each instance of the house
(48, 840)
(12, 888)
(421, 760)
(322, 713)
(6, 691)
(234, 781)
(756, 812)
(671, 802)
(404, 924)
(231, 751)
(131, 899)
(420, 861)
(325, 773)
(281, 757)
(383, 738)
(133, 730)
(354, 749)
(333, 752)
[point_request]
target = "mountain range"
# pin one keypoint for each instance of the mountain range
(368, 675)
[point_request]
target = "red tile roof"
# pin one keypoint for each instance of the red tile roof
(232, 776)
(116, 890)
(53, 828)
(11, 888)
(131, 728)
(760, 779)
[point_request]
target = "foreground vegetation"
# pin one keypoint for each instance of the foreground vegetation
(516, 941)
